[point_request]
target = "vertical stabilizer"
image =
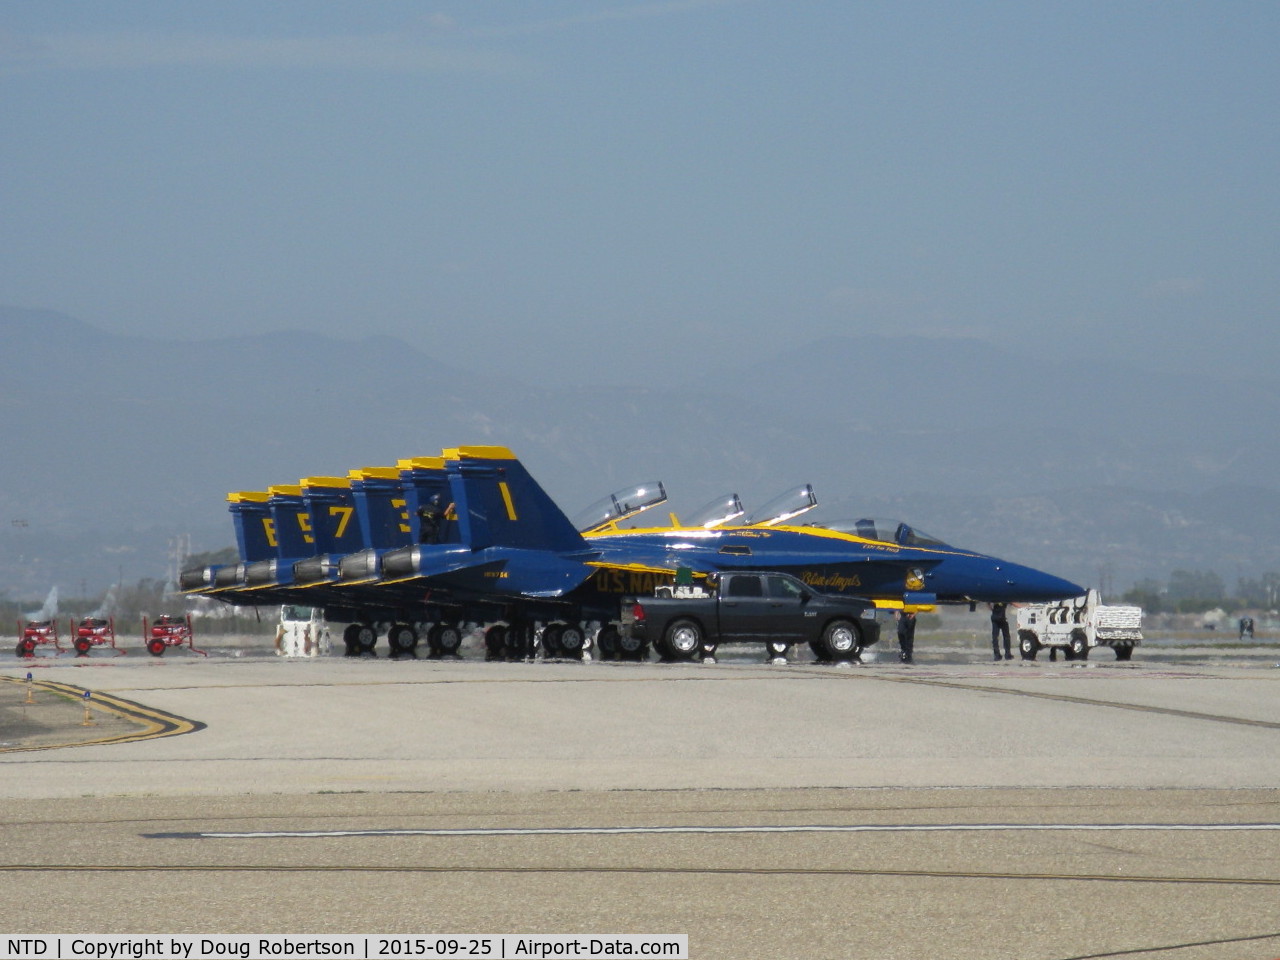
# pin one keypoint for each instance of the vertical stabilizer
(382, 509)
(292, 522)
(255, 530)
(330, 504)
(499, 504)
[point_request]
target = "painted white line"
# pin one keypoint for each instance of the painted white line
(799, 828)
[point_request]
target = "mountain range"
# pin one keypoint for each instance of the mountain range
(1107, 473)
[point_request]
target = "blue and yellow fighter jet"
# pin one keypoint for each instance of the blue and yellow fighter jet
(502, 551)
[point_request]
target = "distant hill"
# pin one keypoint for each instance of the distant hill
(114, 445)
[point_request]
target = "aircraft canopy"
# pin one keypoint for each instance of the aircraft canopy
(886, 531)
(618, 506)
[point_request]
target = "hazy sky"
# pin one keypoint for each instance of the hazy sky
(567, 186)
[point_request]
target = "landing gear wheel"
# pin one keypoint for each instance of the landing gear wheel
(572, 642)
(631, 648)
(495, 642)
(551, 640)
(402, 638)
(445, 640)
(608, 642)
(840, 641)
(366, 639)
(1124, 651)
(776, 649)
(156, 648)
(1028, 645)
(683, 640)
(350, 640)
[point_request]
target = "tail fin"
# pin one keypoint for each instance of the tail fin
(255, 530)
(499, 504)
(381, 507)
(330, 504)
(426, 480)
(292, 523)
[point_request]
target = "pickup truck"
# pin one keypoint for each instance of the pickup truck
(689, 622)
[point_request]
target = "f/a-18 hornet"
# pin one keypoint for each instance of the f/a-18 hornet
(422, 548)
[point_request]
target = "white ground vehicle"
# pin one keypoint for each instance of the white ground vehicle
(303, 632)
(1078, 625)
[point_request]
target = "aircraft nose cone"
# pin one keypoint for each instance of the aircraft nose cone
(1028, 585)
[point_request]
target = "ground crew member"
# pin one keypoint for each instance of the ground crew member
(1000, 627)
(431, 519)
(907, 635)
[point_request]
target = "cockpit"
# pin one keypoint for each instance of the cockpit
(783, 507)
(619, 506)
(886, 531)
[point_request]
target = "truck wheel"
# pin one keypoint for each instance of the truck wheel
(684, 640)
(607, 643)
(1079, 646)
(1124, 651)
(1028, 645)
(840, 641)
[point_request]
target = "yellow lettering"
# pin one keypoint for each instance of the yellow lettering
(506, 498)
(404, 515)
(304, 522)
(269, 528)
(344, 517)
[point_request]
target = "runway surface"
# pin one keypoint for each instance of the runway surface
(957, 809)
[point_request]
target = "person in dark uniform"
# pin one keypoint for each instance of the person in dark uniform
(1000, 628)
(907, 635)
(431, 519)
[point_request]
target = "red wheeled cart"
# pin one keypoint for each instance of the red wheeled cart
(35, 633)
(94, 632)
(168, 631)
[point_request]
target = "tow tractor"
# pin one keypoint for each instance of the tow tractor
(35, 633)
(93, 632)
(169, 631)
(303, 632)
(1078, 625)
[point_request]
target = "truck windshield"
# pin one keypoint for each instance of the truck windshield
(291, 613)
(620, 505)
(886, 531)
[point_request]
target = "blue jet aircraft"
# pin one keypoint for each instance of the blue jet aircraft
(503, 552)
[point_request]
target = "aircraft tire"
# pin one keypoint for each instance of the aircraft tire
(350, 642)
(445, 640)
(632, 648)
(819, 653)
(495, 642)
(841, 640)
(572, 642)
(366, 638)
(1028, 645)
(683, 640)
(609, 643)
(779, 648)
(402, 638)
(1124, 651)
(551, 640)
